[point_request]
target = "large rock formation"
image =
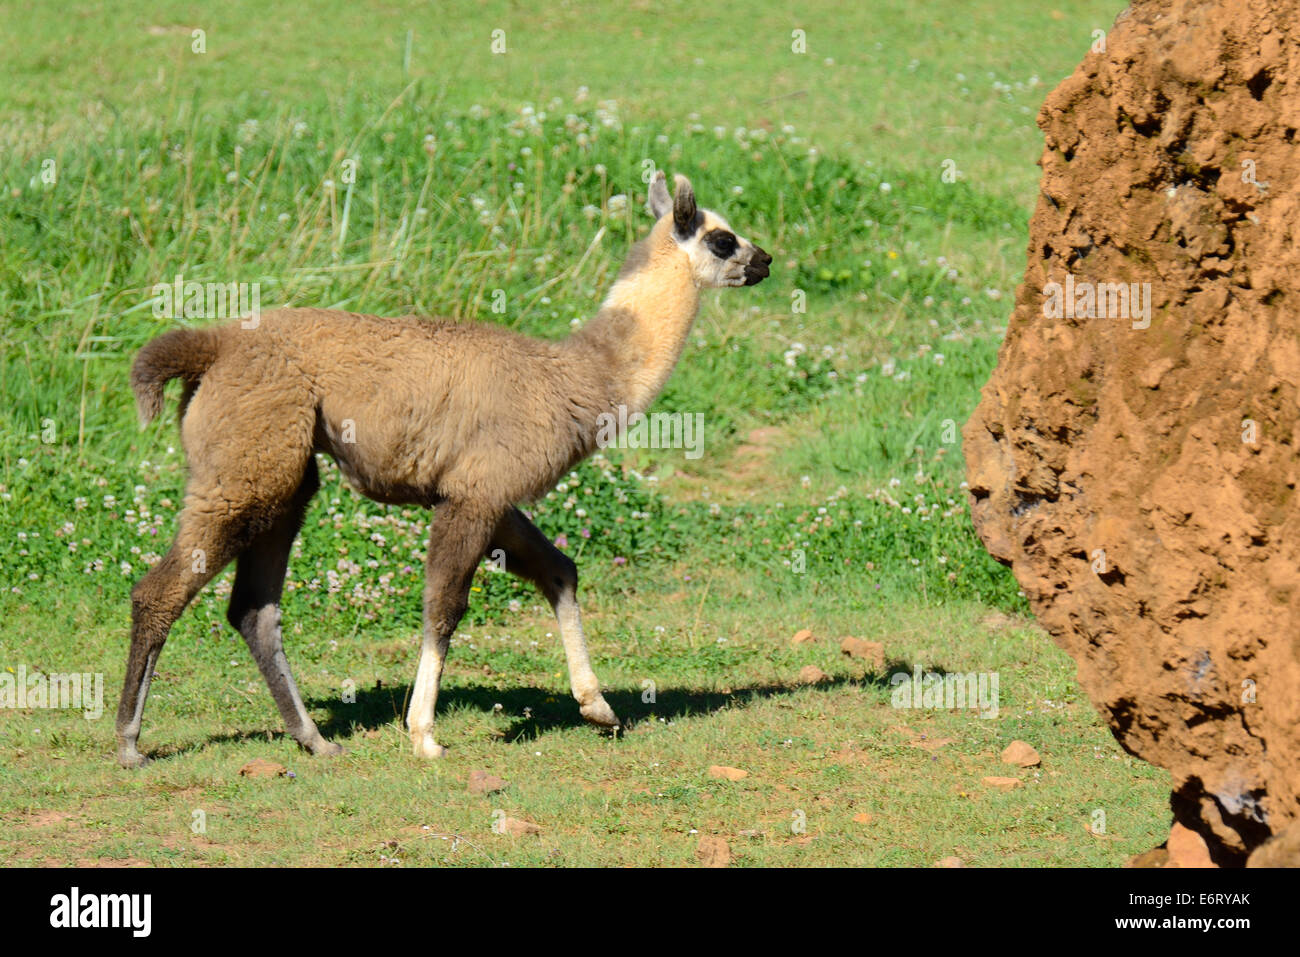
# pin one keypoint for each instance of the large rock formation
(1135, 461)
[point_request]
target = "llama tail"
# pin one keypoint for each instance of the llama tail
(182, 353)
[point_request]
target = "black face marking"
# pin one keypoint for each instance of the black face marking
(720, 242)
(756, 269)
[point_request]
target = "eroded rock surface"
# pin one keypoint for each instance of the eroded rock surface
(1135, 461)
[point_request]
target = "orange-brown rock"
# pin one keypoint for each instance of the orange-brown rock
(1135, 460)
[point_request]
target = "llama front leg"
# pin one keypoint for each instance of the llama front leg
(582, 679)
(424, 698)
(530, 555)
(457, 542)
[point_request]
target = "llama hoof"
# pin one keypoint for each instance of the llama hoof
(131, 759)
(425, 747)
(325, 749)
(600, 713)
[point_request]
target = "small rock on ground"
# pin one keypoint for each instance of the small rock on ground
(480, 782)
(871, 651)
(1004, 784)
(730, 774)
(262, 768)
(1187, 848)
(1021, 754)
(516, 827)
(811, 675)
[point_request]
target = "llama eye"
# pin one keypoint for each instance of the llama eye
(721, 243)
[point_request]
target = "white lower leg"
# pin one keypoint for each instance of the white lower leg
(424, 699)
(582, 680)
(267, 645)
(128, 736)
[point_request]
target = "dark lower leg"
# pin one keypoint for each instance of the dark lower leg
(156, 602)
(255, 612)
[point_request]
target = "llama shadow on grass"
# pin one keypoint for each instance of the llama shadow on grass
(534, 711)
(378, 707)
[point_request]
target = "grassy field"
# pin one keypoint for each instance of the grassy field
(381, 158)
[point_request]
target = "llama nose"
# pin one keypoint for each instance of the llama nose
(756, 269)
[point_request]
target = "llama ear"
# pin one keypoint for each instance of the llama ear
(685, 212)
(660, 202)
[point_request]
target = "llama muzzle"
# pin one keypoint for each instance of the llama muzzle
(756, 270)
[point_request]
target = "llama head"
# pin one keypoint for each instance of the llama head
(718, 255)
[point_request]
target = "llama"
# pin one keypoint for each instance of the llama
(470, 419)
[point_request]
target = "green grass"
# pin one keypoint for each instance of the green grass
(829, 495)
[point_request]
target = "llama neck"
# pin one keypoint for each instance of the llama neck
(642, 325)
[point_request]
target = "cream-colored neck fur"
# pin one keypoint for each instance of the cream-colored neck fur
(644, 321)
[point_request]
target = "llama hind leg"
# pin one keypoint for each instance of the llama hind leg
(202, 548)
(457, 541)
(255, 612)
(530, 555)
